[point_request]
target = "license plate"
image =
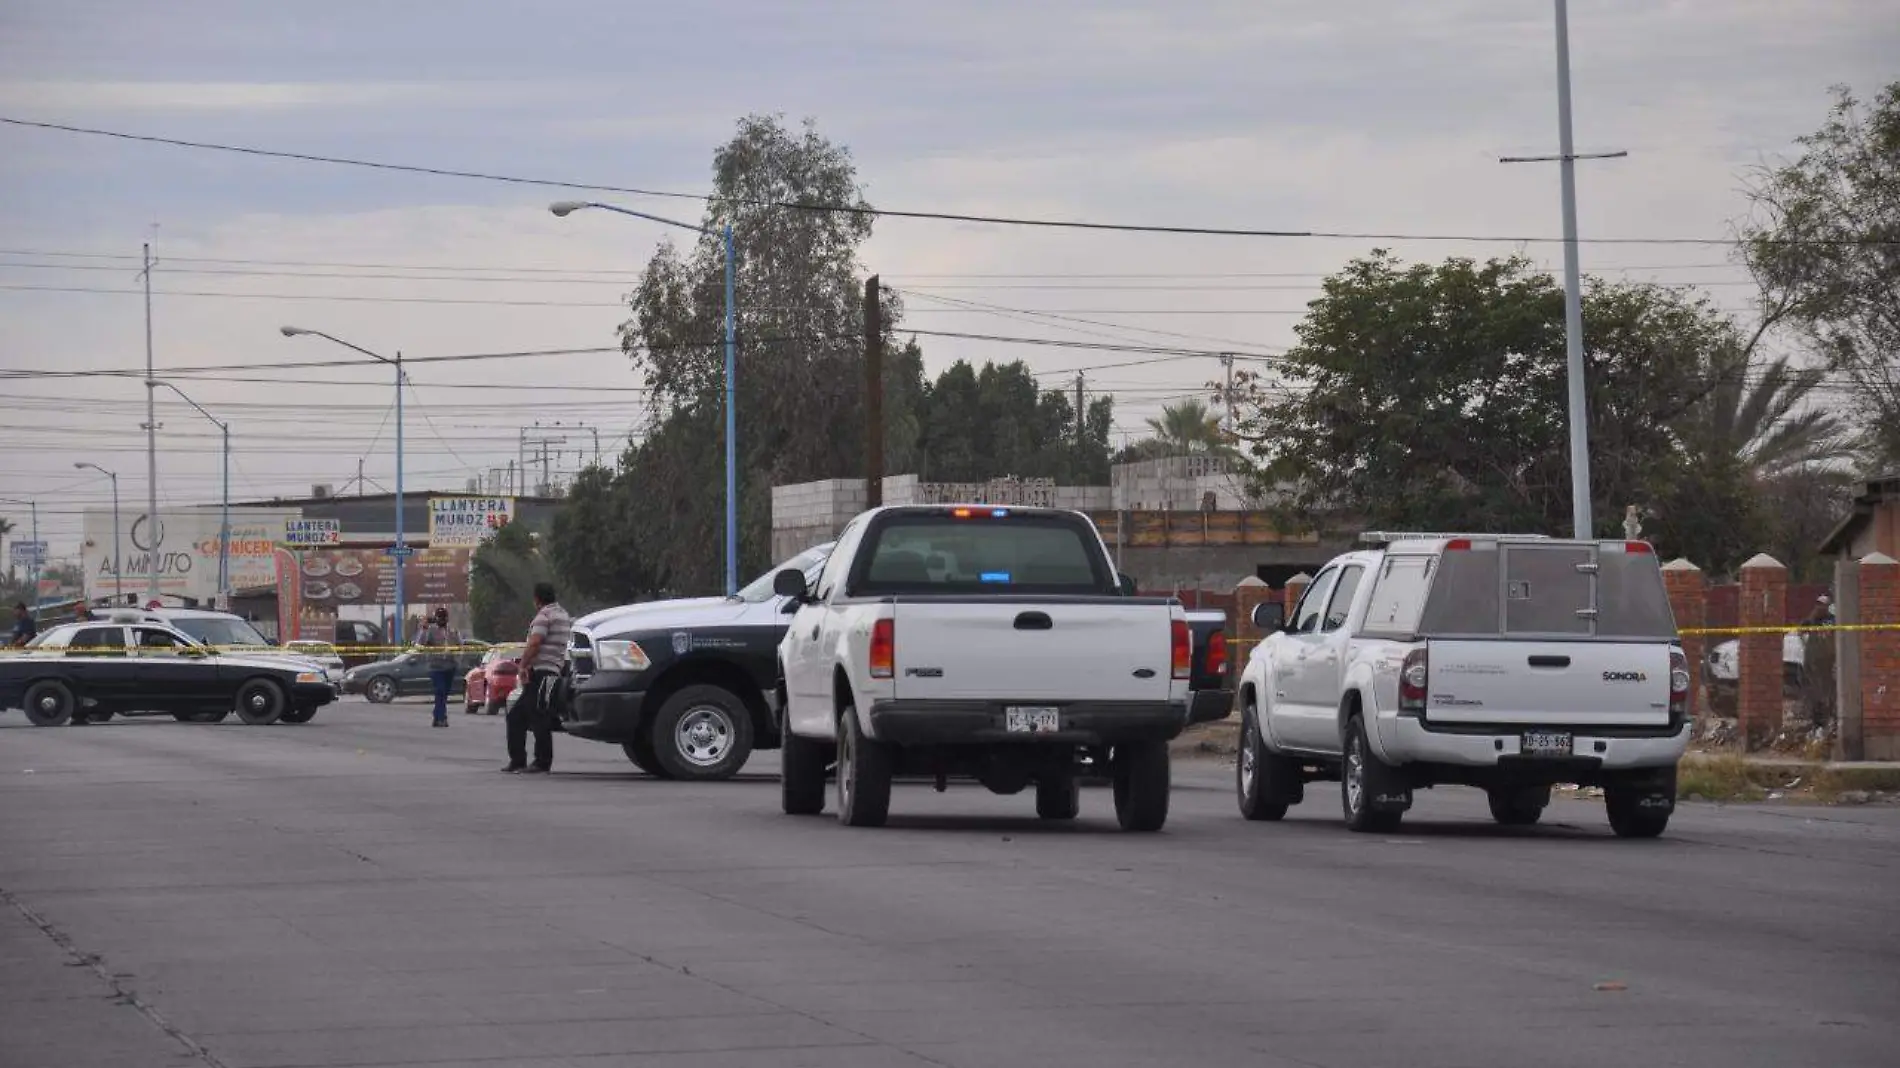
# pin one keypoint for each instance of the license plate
(1033, 719)
(1545, 743)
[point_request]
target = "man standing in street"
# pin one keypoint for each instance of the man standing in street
(442, 642)
(24, 629)
(540, 671)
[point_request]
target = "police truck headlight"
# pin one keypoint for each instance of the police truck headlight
(620, 656)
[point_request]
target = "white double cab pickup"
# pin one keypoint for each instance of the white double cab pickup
(981, 642)
(1508, 663)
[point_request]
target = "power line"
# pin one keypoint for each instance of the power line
(852, 209)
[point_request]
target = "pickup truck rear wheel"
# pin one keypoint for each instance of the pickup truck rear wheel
(864, 775)
(1519, 807)
(1640, 808)
(702, 733)
(802, 775)
(1058, 798)
(49, 703)
(1141, 785)
(260, 702)
(1265, 783)
(1365, 782)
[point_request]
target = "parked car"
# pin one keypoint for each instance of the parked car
(93, 671)
(981, 642)
(1502, 662)
(404, 676)
(322, 653)
(486, 686)
(683, 686)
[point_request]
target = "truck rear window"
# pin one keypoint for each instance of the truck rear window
(1560, 590)
(981, 552)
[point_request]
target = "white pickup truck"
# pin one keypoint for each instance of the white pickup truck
(978, 642)
(1508, 663)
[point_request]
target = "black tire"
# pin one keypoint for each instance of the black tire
(640, 751)
(469, 708)
(1641, 808)
(299, 714)
(1266, 784)
(864, 775)
(1142, 781)
(802, 775)
(1058, 798)
(184, 717)
(380, 690)
(49, 703)
(216, 715)
(261, 702)
(1364, 777)
(495, 706)
(1519, 807)
(702, 733)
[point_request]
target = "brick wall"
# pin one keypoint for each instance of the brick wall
(1880, 658)
(1764, 603)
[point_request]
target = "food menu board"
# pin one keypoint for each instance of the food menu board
(333, 578)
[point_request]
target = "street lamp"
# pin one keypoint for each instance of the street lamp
(118, 574)
(400, 551)
(224, 522)
(35, 505)
(564, 208)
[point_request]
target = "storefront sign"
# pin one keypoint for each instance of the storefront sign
(303, 533)
(467, 521)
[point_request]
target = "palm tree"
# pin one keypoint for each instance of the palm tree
(1758, 414)
(1187, 427)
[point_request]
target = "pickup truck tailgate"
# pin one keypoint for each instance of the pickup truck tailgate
(1579, 684)
(1114, 649)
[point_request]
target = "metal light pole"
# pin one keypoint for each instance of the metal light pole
(152, 527)
(564, 208)
(118, 573)
(1566, 160)
(400, 552)
(224, 523)
(34, 597)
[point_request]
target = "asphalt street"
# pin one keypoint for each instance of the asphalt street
(365, 890)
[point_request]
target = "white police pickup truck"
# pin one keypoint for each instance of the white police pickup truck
(1509, 663)
(979, 642)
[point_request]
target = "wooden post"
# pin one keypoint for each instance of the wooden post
(873, 397)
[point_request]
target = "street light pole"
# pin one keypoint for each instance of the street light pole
(564, 208)
(118, 573)
(224, 522)
(152, 526)
(400, 552)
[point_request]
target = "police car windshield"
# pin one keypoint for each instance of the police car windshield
(212, 630)
(809, 561)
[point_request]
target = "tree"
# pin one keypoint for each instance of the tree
(1823, 243)
(997, 421)
(1762, 415)
(1188, 427)
(501, 579)
(1433, 397)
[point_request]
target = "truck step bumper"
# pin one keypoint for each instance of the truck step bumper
(1406, 741)
(984, 722)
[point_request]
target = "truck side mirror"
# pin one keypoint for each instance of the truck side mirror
(790, 583)
(1127, 584)
(1270, 616)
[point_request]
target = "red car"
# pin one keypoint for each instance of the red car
(489, 683)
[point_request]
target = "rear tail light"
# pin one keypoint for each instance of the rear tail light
(1678, 685)
(1217, 654)
(1414, 676)
(1638, 548)
(884, 649)
(1183, 650)
(1458, 545)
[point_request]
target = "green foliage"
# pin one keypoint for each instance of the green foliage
(502, 574)
(1184, 429)
(1823, 243)
(1433, 397)
(998, 421)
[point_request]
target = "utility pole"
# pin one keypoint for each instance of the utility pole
(873, 396)
(1566, 160)
(1080, 422)
(1227, 393)
(152, 528)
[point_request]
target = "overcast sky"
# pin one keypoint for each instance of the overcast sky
(1381, 116)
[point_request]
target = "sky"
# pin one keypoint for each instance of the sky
(1378, 117)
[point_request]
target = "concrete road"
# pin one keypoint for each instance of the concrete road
(367, 891)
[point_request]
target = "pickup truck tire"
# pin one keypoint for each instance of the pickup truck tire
(261, 702)
(802, 775)
(1058, 798)
(640, 751)
(1519, 807)
(1363, 777)
(702, 733)
(1265, 783)
(864, 775)
(1628, 816)
(381, 690)
(1141, 786)
(49, 703)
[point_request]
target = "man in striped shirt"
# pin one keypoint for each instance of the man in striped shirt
(540, 670)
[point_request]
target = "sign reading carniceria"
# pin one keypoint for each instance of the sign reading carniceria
(466, 521)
